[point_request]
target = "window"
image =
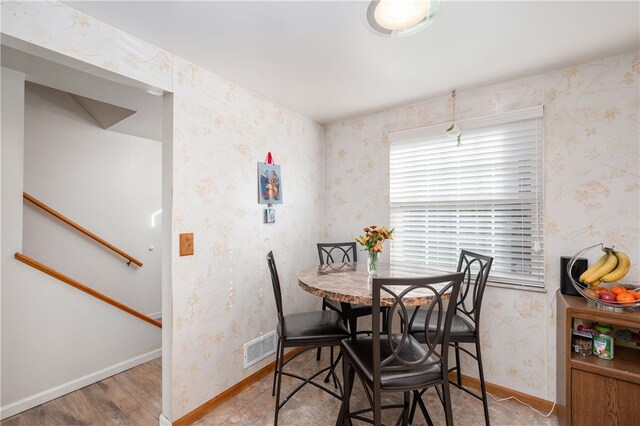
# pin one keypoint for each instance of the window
(485, 195)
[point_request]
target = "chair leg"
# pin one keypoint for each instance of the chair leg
(458, 369)
(439, 395)
(482, 384)
(275, 369)
(414, 404)
(405, 408)
(331, 372)
(447, 403)
(348, 375)
(279, 381)
(377, 406)
(417, 400)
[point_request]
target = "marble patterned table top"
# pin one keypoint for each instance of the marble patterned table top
(350, 282)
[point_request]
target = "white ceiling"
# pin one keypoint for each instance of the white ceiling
(320, 59)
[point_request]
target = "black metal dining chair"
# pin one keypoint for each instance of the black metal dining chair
(398, 362)
(340, 253)
(465, 327)
(309, 330)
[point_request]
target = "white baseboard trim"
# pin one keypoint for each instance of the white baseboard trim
(164, 421)
(63, 389)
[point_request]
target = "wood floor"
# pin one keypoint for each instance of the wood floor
(132, 397)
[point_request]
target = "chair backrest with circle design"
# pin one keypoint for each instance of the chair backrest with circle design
(337, 252)
(395, 291)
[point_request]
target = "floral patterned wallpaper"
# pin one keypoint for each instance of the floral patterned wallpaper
(592, 169)
(592, 193)
(223, 296)
(66, 31)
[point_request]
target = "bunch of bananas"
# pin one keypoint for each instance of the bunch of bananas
(611, 267)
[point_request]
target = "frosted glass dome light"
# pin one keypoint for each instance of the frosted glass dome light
(396, 15)
(398, 18)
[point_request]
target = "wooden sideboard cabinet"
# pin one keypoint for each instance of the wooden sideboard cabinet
(590, 390)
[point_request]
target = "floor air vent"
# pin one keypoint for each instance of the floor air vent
(259, 348)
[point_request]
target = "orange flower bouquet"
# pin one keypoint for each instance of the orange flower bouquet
(372, 240)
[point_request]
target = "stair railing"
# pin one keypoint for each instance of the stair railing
(86, 232)
(65, 279)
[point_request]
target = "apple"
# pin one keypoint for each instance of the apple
(592, 293)
(608, 297)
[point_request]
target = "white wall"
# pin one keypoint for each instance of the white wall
(11, 147)
(167, 256)
(108, 182)
(54, 338)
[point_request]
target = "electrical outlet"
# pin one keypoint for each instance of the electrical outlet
(186, 244)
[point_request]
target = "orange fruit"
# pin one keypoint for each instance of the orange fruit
(625, 298)
(618, 289)
(636, 294)
(601, 289)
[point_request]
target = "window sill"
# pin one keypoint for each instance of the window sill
(517, 287)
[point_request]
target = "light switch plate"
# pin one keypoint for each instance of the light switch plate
(186, 244)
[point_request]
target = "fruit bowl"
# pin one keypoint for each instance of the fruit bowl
(583, 288)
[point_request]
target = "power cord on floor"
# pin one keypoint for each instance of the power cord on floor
(516, 399)
(523, 403)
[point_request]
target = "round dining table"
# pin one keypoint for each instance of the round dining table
(350, 283)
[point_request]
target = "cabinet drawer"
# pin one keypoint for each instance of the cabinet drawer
(599, 400)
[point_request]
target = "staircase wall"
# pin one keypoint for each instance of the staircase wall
(108, 182)
(55, 339)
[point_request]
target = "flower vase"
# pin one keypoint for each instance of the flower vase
(372, 264)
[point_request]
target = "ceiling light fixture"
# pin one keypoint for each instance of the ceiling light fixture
(397, 18)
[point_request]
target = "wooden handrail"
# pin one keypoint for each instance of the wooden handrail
(55, 274)
(71, 223)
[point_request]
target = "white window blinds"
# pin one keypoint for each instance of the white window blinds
(485, 195)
